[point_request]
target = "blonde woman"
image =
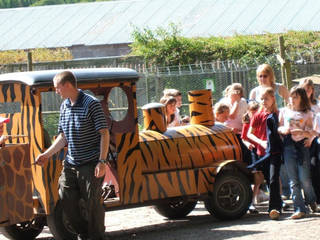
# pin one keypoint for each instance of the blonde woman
(266, 78)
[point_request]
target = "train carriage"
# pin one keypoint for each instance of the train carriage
(169, 168)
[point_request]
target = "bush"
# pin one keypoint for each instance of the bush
(38, 55)
(167, 46)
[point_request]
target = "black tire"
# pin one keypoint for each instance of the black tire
(174, 209)
(26, 230)
(59, 226)
(231, 196)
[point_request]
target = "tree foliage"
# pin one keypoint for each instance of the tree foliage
(38, 55)
(26, 3)
(167, 47)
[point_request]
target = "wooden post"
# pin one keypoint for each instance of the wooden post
(285, 65)
(288, 74)
(29, 64)
(283, 73)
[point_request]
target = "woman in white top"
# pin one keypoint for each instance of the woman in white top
(265, 77)
(238, 106)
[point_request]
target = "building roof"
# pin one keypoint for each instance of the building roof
(99, 23)
(44, 78)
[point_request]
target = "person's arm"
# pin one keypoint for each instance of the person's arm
(234, 110)
(282, 129)
(57, 145)
(255, 139)
(252, 95)
(249, 145)
(284, 93)
(100, 169)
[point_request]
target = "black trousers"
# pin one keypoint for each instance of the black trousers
(271, 171)
(77, 183)
(315, 167)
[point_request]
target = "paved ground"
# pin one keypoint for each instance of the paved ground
(145, 224)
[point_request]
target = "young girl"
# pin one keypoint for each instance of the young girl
(221, 112)
(308, 86)
(263, 131)
(253, 108)
(170, 103)
(295, 126)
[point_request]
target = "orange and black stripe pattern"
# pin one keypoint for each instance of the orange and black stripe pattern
(181, 161)
(27, 122)
(154, 117)
(200, 107)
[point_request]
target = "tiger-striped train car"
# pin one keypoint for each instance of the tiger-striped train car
(170, 168)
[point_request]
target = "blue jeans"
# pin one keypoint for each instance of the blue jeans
(285, 182)
(297, 162)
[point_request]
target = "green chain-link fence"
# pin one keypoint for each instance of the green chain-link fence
(153, 80)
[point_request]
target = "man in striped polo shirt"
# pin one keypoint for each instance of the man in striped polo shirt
(83, 127)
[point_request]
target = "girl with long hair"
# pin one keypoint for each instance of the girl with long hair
(296, 123)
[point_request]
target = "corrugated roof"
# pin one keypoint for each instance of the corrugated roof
(84, 75)
(111, 22)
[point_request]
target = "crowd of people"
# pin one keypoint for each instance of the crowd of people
(278, 131)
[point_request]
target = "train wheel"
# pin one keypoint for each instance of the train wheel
(25, 230)
(59, 225)
(231, 196)
(174, 209)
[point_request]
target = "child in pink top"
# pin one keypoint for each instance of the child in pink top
(296, 126)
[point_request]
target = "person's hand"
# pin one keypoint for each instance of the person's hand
(236, 130)
(3, 138)
(251, 146)
(296, 131)
(41, 159)
(100, 170)
(284, 130)
(235, 98)
(264, 144)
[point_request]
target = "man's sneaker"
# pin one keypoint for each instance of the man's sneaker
(274, 214)
(253, 210)
(298, 215)
(314, 207)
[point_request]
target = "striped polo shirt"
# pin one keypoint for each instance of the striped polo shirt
(80, 124)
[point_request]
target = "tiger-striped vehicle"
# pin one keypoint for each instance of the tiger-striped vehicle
(169, 168)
